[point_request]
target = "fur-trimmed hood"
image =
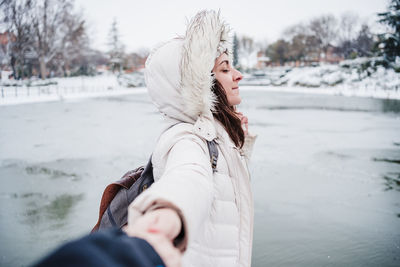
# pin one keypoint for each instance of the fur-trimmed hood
(178, 72)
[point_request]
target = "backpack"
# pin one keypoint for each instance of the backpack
(118, 195)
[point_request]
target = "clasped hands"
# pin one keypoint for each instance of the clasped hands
(159, 228)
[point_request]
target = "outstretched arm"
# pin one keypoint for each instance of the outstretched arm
(110, 248)
(185, 187)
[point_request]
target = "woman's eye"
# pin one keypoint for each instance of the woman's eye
(225, 71)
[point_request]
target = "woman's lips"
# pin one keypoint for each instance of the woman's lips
(235, 88)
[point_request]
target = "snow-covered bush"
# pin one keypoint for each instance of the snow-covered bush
(367, 73)
(135, 79)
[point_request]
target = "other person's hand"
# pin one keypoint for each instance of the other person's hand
(159, 228)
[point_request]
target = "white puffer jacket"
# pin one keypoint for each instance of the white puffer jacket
(216, 208)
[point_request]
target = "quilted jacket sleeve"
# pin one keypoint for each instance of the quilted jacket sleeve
(185, 185)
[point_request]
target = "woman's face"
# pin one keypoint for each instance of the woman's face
(229, 78)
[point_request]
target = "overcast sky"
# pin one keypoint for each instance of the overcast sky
(143, 24)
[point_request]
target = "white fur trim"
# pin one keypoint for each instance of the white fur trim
(207, 36)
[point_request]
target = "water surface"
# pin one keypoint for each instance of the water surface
(325, 174)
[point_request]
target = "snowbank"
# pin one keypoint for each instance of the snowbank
(60, 89)
(359, 77)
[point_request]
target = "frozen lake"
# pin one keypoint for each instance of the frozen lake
(325, 174)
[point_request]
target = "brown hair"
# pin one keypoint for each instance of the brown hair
(227, 115)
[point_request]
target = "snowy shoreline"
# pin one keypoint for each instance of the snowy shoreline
(73, 96)
(62, 89)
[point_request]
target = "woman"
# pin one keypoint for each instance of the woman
(207, 215)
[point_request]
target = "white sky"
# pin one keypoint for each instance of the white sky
(144, 23)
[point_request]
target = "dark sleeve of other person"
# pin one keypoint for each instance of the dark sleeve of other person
(104, 248)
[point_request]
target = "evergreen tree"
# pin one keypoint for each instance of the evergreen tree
(390, 41)
(235, 51)
(116, 47)
(364, 43)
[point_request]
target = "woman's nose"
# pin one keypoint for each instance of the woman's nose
(238, 75)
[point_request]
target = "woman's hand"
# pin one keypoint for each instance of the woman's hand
(244, 122)
(159, 228)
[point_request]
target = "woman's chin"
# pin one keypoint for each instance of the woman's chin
(234, 100)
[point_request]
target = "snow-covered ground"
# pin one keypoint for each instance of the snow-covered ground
(59, 89)
(349, 78)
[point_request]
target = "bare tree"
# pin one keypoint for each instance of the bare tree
(324, 29)
(303, 46)
(74, 46)
(15, 16)
(294, 30)
(45, 34)
(143, 52)
(347, 33)
(46, 20)
(278, 51)
(348, 27)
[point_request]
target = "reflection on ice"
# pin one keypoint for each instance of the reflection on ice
(59, 208)
(313, 108)
(26, 195)
(42, 210)
(390, 105)
(339, 155)
(39, 170)
(397, 161)
(392, 181)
